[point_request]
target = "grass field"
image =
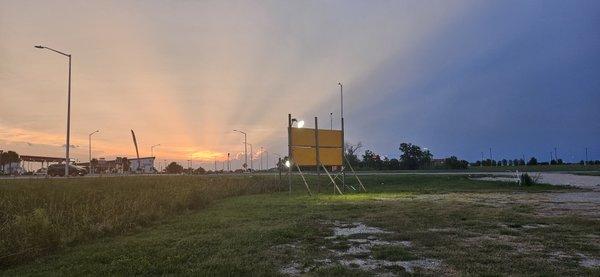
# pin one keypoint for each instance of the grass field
(442, 225)
(40, 215)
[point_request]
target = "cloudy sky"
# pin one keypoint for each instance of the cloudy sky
(457, 77)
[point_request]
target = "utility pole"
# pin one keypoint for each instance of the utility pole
(586, 157)
(555, 155)
(481, 158)
(228, 163)
(491, 158)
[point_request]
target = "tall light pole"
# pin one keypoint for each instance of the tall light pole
(267, 163)
(90, 149)
(245, 149)
(251, 157)
(67, 160)
(261, 154)
(343, 134)
(152, 149)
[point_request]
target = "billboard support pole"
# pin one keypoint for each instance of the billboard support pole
(343, 154)
(355, 175)
(304, 179)
(318, 159)
(290, 153)
(330, 178)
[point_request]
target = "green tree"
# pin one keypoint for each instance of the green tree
(351, 153)
(394, 164)
(200, 170)
(454, 163)
(370, 159)
(8, 158)
(532, 161)
(413, 157)
(174, 168)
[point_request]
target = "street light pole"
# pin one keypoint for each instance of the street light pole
(261, 154)
(67, 160)
(343, 133)
(245, 149)
(251, 157)
(152, 149)
(90, 149)
(267, 164)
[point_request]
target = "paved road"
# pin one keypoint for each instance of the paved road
(553, 178)
(581, 181)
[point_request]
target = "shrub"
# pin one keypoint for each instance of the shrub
(526, 180)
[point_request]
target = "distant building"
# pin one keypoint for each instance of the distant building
(123, 165)
(145, 165)
(12, 168)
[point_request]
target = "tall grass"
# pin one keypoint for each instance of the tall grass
(38, 216)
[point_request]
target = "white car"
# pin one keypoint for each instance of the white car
(41, 172)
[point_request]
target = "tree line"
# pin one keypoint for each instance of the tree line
(414, 157)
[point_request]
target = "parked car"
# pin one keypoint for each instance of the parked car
(59, 170)
(41, 172)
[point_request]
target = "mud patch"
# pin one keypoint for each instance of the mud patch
(352, 246)
(588, 262)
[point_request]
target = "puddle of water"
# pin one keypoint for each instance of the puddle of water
(359, 253)
(409, 266)
(293, 269)
(355, 229)
(588, 262)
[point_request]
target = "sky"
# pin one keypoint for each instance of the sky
(456, 77)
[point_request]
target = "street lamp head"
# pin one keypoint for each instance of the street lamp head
(300, 123)
(39, 46)
(287, 163)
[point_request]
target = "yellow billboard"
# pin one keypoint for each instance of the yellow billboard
(307, 156)
(306, 137)
(304, 147)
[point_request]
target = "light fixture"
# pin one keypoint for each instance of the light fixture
(300, 123)
(287, 163)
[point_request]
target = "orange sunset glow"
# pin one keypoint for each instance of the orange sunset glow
(183, 81)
